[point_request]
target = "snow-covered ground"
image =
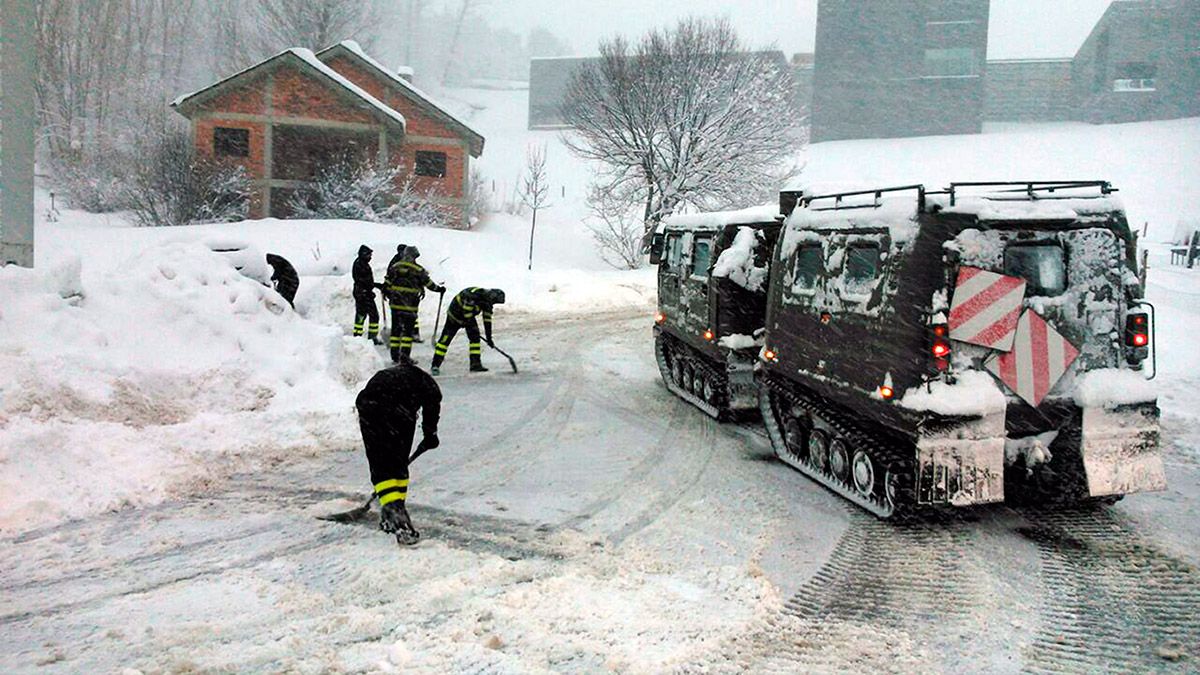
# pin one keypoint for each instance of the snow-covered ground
(168, 428)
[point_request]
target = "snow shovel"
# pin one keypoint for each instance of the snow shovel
(437, 318)
(359, 512)
(511, 362)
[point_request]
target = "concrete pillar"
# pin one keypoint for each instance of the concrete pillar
(18, 125)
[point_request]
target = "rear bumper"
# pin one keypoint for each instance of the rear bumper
(1098, 452)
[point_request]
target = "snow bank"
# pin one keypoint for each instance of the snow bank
(119, 389)
(975, 393)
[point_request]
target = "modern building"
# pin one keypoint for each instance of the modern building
(286, 118)
(899, 68)
(1140, 62)
(1028, 90)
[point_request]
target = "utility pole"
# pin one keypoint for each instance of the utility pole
(17, 129)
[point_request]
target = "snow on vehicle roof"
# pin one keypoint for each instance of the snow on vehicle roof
(767, 213)
(310, 59)
(897, 213)
(1006, 207)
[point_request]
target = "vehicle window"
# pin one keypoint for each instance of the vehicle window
(1042, 266)
(807, 268)
(674, 252)
(862, 266)
(701, 257)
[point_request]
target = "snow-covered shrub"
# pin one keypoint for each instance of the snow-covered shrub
(172, 186)
(366, 191)
(479, 202)
(97, 186)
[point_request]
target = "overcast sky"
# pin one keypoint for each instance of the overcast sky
(1019, 28)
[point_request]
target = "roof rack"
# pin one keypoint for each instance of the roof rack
(878, 194)
(1031, 187)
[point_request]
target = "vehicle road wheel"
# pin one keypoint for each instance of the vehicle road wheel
(818, 449)
(793, 437)
(864, 473)
(677, 370)
(839, 460)
(708, 391)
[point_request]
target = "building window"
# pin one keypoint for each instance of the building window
(1134, 76)
(431, 164)
(229, 142)
(954, 62)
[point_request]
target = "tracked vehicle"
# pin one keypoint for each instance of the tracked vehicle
(978, 344)
(713, 271)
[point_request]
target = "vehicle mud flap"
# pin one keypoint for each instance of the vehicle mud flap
(1120, 450)
(743, 390)
(961, 463)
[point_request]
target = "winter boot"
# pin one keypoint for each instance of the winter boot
(435, 370)
(395, 355)
(477, 366)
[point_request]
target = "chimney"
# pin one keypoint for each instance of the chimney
(405, 73)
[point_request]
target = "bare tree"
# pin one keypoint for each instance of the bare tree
(686, 117)
(315, 23)
(463, 11)
(616, 228)
(535, 188)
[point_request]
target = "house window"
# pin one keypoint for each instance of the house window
(228, 142)
(431, 164)
(1134, 76)
(954, 62)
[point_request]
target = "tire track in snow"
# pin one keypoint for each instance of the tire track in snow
(1114, 602)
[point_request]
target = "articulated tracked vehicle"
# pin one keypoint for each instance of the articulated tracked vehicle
(713, 271)
(979, 344)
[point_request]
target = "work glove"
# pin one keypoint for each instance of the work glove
(430, 441)
(393, 518)
(440, 289)
(488, 340)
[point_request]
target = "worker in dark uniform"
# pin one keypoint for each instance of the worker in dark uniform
(461, 314)
(387, 416)
(284, 276)
(417, 323)
(405, 281)
(364, 295)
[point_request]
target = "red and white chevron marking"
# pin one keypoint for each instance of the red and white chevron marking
(1039, 357)
(985, 308)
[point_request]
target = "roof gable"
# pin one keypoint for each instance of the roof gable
(351, 49)
(305, 61)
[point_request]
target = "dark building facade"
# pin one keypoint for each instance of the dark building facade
(1029, 90)
(899, 68)
(1140, 62)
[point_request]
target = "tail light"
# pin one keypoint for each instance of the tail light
(938, 342)
(1137, 337)
(769, 355)
(660, 318)
(709, 335)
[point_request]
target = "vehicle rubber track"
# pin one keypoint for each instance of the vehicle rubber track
(663, 344)
(883, 452)
(1114, 603)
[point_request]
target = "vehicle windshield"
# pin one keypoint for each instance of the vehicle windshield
(1042, 266)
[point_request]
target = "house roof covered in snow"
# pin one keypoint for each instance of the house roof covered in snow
(306, 61)
(351, 49)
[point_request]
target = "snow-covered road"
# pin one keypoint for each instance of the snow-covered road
(579, 518)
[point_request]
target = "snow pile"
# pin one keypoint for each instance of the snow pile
(739, 341)
(118, 389)
(1110, 387)
(975, 393)
(737, 262)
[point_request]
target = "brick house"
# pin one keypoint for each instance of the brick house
(286, 118)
